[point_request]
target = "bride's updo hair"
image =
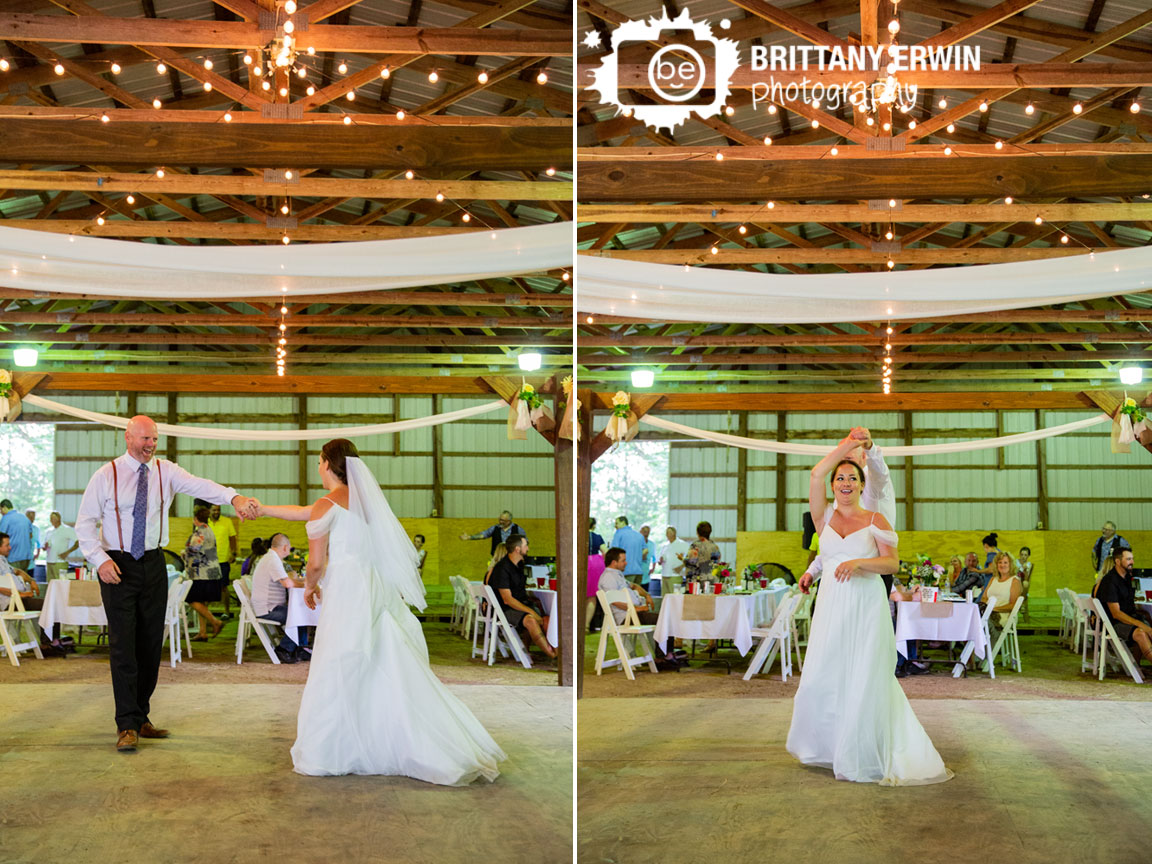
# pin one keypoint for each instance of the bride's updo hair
(855, 467)
(335, 452)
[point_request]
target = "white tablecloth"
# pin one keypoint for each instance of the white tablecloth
(939, 622)
(537, 570)
(547, 601)
(736, 615)
(299, 615)
(57, 611)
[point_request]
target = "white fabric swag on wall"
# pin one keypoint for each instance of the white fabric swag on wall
(663, 292)
(214, 433)
(820, 450)
(41, 261)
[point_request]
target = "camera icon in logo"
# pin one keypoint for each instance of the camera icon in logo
(688, 71)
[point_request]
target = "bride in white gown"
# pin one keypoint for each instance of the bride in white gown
(850, 713)
(372, 704)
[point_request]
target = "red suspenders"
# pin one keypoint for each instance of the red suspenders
(116, 500)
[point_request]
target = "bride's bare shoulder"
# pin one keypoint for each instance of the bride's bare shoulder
(321, 507)
(877, 518)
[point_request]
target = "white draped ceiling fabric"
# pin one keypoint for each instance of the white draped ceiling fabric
(213, 433)
(820, 450)
(45, 262)
(663, 292)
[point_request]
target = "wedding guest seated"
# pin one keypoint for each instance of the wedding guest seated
(508, 581)
(270, 584)
(258, 548)
(955, 568)
(499, 555)
(26, 586)
(1002, 589)
(613, 579)
(1024, 571)
(1116, 594)
(203, 568)
(970, 577)
(909, 665)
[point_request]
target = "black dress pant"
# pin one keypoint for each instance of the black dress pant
(135, 610)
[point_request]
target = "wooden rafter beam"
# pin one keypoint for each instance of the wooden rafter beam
(148, 114)
(909, 213)
(837, 179)
(207, 382)
(822, 153)
(423, 148)
(242, 35)
(848, 402)
(439, 340)
(235, 231)
(302, 187)
(271, 320)
(978, 23)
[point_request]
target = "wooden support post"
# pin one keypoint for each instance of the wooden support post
(302, 452)
(173, 446)
(583, 514)
(1041, 478)
(396, 435)
(999, 434)
(781, 474)
(742, 476)
(909, 492)
(437, 460)
(132, 402)
(566, 570)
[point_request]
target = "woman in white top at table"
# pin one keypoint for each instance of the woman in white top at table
(1002, 589)
(850, 714)
(372, 704)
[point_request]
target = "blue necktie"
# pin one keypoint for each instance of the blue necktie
(140, 513)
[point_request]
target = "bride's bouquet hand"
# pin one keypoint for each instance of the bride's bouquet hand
(849, 569)
(312, 596)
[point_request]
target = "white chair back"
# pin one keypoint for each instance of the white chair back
(248, 619)
(1113, 639)
(777, 637)
(25, 624)
(630, 629)
(501, 629)
(482, 618)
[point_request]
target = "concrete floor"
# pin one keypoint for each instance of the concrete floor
(686, 780)
(222, 788)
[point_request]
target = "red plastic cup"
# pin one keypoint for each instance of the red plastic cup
(691, 587)
(763, 583)
(1148, 595)
(551, 584)
(539, 581)
(718, 588)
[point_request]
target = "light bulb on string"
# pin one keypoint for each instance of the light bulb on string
(439, 197)
(247, 59)
(208, 65)
(156, 103)
(542, 78)
(911, 124)
(467, 217)
(311, 91)
(208, 87)
(104, 118)
(1064, 238)
(350, 95)
(1008, 199)
(715, 251)
(835, 151)
(386, 72)
(551, 172)
(285, 240)
(1029, 109)
(947, 151)
(1077, 108)
(482, 77)
(943, 103)
(729, 110)
(566, 276)
(719, 156)
(115, 68)
(99, 220)
(771, 109)
(400, 115)
(983, 106)
(1134, 107)
(742, 229)
(1039, 220)
(159, 173)
(342, 68)
(301, 72)
(433, 77)
(161, 68)
(889, 235)
(950, 128)
(131, 199)
(289, 26)
(285, 209)
(409, 174)
(290, 7)
(266, 85)
(347, 120)
(999, 145)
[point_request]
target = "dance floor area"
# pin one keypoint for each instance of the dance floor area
(1036, 781)
(221, 789)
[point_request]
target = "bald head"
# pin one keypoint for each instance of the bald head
(141, 437)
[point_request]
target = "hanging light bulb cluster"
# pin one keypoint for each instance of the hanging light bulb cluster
(886, 365)
(282, 339)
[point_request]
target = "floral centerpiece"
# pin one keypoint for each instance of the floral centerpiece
(753, 573)
(617, 429)
(924, 572)
(722, 572)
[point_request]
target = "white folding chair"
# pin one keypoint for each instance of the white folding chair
(482, 618)
(802, 623)
(1090, 631)
(24, 619)
(470, 615)
(1111, 638)
(1008, 645)
(631, 628)
(459, 601)
(966, 654)
(176, 620)
(777, 637)
(1066, 617)
(248, 619)
(499, 630)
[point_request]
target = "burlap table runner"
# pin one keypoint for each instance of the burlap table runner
(699, 607)
(936, 610)
(84, 592)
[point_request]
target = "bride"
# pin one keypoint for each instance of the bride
(850, 713)
(372, 704)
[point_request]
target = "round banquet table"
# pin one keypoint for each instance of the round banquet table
(945, 621)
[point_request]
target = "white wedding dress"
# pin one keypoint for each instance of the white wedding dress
(850, 713)
(372, 704)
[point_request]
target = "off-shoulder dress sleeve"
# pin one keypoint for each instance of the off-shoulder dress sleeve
(323, 525)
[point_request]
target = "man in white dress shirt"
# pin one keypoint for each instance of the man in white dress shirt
(122, 528)
(59, 543)
(270, 584)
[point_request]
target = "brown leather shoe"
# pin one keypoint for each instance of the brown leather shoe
(150, 731)
(126, 741)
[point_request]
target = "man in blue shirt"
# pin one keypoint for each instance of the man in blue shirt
(36, 547)
(632, 542)
(19, 531)
(649, 560)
